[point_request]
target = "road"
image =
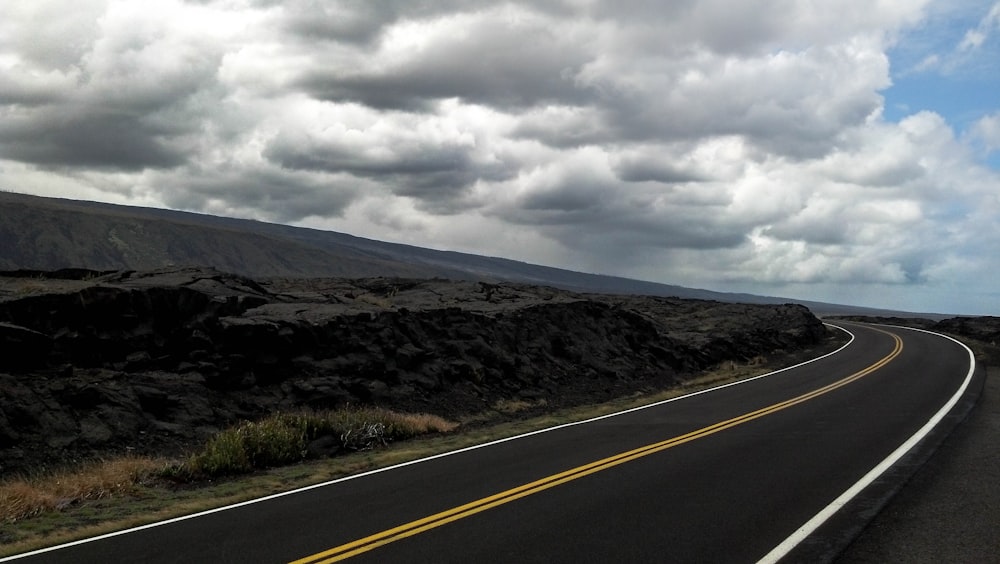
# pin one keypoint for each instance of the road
(728, 475)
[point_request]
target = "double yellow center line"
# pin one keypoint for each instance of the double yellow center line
(394, 534)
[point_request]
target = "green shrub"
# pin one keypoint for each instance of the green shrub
(282, 438)
(223, 454)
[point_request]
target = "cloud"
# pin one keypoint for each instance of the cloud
(581, 202)
(954, 41)
(710, 143)
(491, 57)
(657, 164)
(359, 23)
(974, 38)
(128, 95)
(433, 159)
(44, 34)
(986, 131)
(261, 192)
(787, 102)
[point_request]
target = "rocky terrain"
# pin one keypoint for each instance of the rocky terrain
(96, 363)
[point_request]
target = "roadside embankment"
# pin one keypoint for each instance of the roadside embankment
(107, 363)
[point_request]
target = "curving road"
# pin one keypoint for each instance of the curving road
(768, 468)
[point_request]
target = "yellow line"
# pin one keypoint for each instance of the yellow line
(372, 542)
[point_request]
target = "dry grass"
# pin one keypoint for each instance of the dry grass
(272, 441)
(421, 423)
(29, 288)
(730, 370)
(510, 406)
(21, 498)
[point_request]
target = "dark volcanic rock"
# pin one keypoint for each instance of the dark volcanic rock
(23, 347)
(97, 362)
(986, 328)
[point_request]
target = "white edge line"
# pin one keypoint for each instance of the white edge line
(786, 546)
(436, 456)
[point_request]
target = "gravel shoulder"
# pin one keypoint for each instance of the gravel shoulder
(950, 509)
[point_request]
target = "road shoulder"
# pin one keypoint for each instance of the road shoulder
(949, 510)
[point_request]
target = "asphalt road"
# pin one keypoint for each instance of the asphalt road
(722, 476)
(949, 510)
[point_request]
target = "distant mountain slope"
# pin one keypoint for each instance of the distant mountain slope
(48, 233)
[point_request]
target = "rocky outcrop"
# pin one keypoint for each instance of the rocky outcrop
(985, 329)
(97, 362)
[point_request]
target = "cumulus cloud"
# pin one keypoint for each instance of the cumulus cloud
(435, 159)
(987, 131)
(130, 94)
(710, 143)
(490, 57)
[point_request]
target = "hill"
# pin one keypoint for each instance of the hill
(48, 234)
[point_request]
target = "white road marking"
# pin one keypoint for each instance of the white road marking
(810, 526)
(418, 461)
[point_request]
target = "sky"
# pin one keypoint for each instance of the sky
(845, 151)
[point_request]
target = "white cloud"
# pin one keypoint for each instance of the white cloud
(987, 132)
(710, 143)
(974, 38)
(47, 34)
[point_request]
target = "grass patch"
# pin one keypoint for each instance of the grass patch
(277, 440)
(285, 438)
(25, 497)
(511, 406)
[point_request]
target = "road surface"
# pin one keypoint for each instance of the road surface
(741, 473)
